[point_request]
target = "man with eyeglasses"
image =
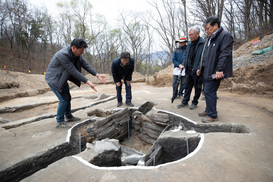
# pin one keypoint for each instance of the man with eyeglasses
(122, 69)
(190, 64)
(216, 64)
(66, 65)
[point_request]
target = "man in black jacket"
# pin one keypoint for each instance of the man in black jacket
(66, 65)
(190, 64)
(215, 65)
(122, 69)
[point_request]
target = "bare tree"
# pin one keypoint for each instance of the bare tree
(202, 9)
(81, 9)
(270, 12)
(184, 3)
(167, 23)
(229, 15)
(134, 32)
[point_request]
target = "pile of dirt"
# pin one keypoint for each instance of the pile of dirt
(163, 78)
(252, 79)
(17, 84)
(247, 48)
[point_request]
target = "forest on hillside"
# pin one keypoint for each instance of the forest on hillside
(29, 36)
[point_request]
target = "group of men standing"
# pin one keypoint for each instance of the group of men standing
(200, 62)
(206, 63)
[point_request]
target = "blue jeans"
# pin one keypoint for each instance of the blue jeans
(210, 90)
(182, 84)
(64, 107)
(128, 92)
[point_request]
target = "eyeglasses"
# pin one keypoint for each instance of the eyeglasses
(208, 28)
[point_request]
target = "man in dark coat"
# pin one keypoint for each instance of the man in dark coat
(215, 65)
(190, 64)
(66, 65)
(122, 69)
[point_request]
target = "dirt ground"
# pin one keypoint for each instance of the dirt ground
(222, 157)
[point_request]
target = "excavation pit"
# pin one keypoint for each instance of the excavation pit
(146, 136)
(142, 137)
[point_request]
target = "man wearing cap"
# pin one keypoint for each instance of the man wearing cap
(122, 69)
(178, 57)
(66, 65)
(190, 64)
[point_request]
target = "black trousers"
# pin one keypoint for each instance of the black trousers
(210, 90)
(192, 80)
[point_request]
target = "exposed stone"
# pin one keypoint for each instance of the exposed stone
(108, 159)
(2, 120)
(147, 138)
(99, 113)
(153, 126)
(105, 153)
(113, 126)
(131, 159)
(160, 118)
(126, 151)
(102, 96)
(155, 155)
(151, 133)
(146, 107)
(215, 127)
(171, 146)
(176, 120)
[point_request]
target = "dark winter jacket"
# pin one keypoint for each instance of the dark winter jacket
(65, 66)
(198, 52)
(178, 55)
(218, 55)
(120, 72)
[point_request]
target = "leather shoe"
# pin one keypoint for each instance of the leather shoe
(73, 118)
(193, 106)
(119, 104)
(202, 114)
(181, 105)
(208, 119)
(129, 104)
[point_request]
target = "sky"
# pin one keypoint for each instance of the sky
(109, 8)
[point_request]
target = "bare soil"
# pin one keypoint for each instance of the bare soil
(254, 79)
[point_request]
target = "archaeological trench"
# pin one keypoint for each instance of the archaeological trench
(124, 137)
